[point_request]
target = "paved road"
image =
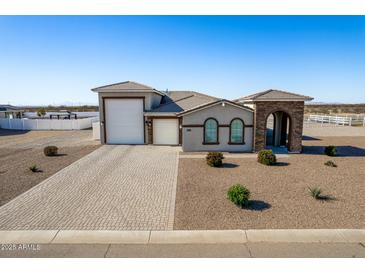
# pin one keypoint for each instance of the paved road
(250, 250)
(113, 188)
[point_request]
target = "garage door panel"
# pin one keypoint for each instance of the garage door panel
(124, 121)
(166, 131)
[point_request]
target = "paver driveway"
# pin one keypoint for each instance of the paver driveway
(114, 187)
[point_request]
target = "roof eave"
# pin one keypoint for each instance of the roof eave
(160, 114)
(274, 100)
(211, 104)
(98, 90)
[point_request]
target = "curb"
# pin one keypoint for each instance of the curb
(239, 156)
(182, 236)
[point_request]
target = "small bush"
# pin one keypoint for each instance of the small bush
(315, 192)
(266, 157)
(239, 195)
(214, 159)
(330, 151)
(50, 150)
(34, 168)
(330, 163)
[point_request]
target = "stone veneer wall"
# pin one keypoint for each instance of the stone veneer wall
(149, 131)
(295, 110)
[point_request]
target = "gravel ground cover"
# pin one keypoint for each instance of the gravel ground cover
(19, 150)
(279, 194)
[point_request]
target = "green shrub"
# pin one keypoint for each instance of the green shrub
(266, 157)
(50, 150)
(330, 151)
(315, 192)
(214, 159)
(330, 163)
(239, 195)
(34, 168)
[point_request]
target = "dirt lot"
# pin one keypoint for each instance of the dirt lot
(20, 149)
(280, 193)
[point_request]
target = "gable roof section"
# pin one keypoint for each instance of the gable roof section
(179, 101)
(211, 104)
(274, 95)
(127, 86)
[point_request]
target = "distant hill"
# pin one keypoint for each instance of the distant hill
(322, 108)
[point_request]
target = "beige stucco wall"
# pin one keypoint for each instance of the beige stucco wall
(192, 137)
(152, 100)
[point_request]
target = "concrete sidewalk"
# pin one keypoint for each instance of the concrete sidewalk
(247, 250)
(226, 155)
(290, 243)
(182, 236)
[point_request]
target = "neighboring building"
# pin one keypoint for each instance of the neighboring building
(8, 111)
(132, 113)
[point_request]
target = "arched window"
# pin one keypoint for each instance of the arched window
(211, 131)
(236, 131)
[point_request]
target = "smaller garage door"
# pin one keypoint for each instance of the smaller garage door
(166, 131)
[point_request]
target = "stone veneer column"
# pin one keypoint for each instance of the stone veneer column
(295, 110)
(149, 130)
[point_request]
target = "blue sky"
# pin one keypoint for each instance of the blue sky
(56, 60)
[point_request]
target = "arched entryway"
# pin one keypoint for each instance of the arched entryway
(278, 128)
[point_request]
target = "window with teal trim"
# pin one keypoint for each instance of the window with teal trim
(236, 131)
(211, 131)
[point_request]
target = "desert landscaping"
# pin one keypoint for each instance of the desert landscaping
(19, 150)
(280, 196)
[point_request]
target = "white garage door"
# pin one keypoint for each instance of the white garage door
(166, 131)
(124, 121)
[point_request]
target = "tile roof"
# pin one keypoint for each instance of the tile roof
(209, 104)
(178, 101)
(274, 94)
(126, 86)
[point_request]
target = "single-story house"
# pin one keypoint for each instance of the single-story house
(133, 113)
(9, 111)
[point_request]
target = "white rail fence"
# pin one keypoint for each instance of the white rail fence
(338, 120)
(46, 124)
